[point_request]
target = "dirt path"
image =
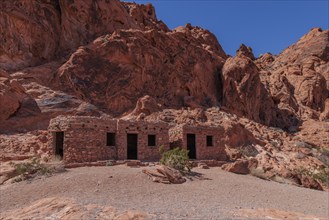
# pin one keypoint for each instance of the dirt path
(224, 195)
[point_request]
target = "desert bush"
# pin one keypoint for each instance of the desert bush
(322, 175)
(176, 158)
(109, 163)
(31, 167)
(34, 167)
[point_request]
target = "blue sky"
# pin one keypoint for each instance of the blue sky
(264, 25)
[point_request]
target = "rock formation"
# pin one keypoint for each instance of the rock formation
(14, 99)
(106, 57)
(39, 31)
(297, 79)
(115, 70)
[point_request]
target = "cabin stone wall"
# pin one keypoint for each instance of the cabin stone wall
(204, 152)
(143, 129)
(84, 138)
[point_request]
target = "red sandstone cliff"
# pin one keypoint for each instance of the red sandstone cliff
(95, 57)
(110, 54)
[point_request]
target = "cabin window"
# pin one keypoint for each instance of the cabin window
(209, 141)
(110, 139)
(151, 140)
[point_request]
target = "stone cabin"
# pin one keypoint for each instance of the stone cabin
(86, 139)
(79, 139)
(204, 142)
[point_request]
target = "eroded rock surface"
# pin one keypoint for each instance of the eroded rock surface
(297, 79)
(116, 59)
(115, 70)
(14, 99)
(38, 31)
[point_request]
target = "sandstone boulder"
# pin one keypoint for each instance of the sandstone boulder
(241, 166)
(14, 101)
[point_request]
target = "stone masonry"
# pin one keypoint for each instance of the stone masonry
(85, 138)
(203, 152)
(143, 129)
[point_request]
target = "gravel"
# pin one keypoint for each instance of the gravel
(219, 195)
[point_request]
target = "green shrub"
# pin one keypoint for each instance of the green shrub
(31, 167)
(176, 158)
(109, 163)
(320, 174)
(323, 176)
(34, 167)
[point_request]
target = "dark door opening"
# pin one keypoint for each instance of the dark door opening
(191, 146)
(59, 143)
(132, 146)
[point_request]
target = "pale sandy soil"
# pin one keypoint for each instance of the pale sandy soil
(223, 195)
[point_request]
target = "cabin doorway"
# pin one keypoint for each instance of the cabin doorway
(59, 143)
(191, 146)
(132, 146)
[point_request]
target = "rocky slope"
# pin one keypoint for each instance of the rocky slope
(115, 70)
(282, 90)
(36, 32)
(108, 57)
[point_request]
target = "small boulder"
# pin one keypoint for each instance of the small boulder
(239, 167)
(309, 182)
(203, 166)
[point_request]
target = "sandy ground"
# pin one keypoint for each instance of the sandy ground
(218, 195)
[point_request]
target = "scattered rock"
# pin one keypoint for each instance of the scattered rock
(164, 174)
(203, 166)
(309, 182)
(239, 167)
